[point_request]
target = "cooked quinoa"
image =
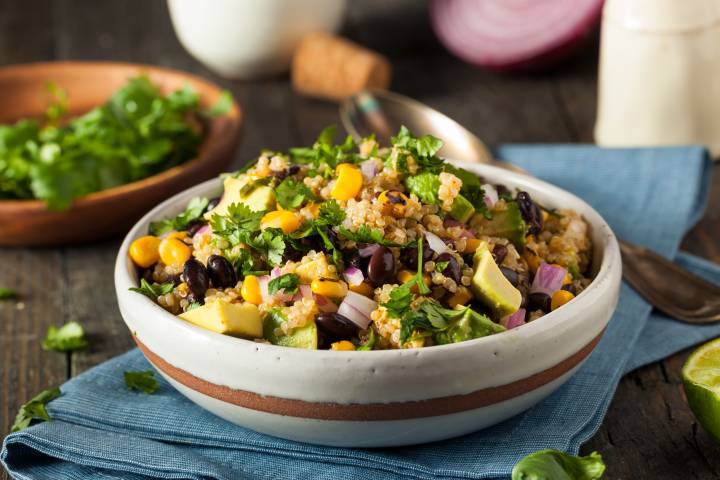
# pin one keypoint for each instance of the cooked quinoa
(383, 247)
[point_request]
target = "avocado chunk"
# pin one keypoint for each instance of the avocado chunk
(462, 209)
(490, 285)
(471, 325)
(505, 223)
(257, 199)
(241, 320)
(303, 337)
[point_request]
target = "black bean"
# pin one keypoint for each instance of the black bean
(335, 327)
(222, 274)
(511, 275)
(409, 256)
(147, 274)
(280, 175)
(502, 190)
(293, 169)
(196, 277)
(539, 301)
(381, 268)
(175, 279)
(212, 204)
(452, 270)
(499, 253)
(524, 302)
(194, 225)
(531, 213)
(570, 288)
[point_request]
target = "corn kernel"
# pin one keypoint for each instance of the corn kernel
(287, 221)
(174, 252)
(532, 260)
(471, 244)
(545, 216)
(363, 288)
(144, 251)
(404, 276)
(393, 203)
(461, 297)
(313, 208)
(349, 182)
(329, 288)
(342, 345)
(560, 298)
(250, 290)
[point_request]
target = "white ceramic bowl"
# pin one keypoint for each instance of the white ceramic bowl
(250, 38)
(379, 398)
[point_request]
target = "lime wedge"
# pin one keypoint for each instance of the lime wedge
(701, 378)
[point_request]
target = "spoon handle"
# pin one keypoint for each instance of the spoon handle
(669, 287)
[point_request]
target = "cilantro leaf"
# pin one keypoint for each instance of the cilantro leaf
(195, 208)
(471, 189)
(67, 338)
(238, 224)
(34, 409)
(424, 149)
(288, 283)
(369, 343)
(222, 106)
(7, 293)
(142, 381)
(154, 290)
(291, 194)
(325, 152)
(440, 266)
(365, 234)
(330, 213)
(558, 465)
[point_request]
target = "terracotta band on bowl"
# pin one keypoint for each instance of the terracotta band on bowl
(370, 411)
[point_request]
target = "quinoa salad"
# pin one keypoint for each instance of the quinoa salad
(363, 247)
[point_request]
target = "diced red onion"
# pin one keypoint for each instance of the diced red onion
(203, 230)
(303, 292)
(275, 272)
(465, 232)
(353, 276)
(514, 35)
(357, 308)
(368, 251)
(263, 281)
(491, 195)
(514, 320)
(548, 279)
(436, 243)
(369, 169)
(324, 304)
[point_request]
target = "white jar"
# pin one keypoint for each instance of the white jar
(659, 70)
(250, 38)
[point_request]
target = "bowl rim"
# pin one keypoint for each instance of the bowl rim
(233, 118)
(611, 261)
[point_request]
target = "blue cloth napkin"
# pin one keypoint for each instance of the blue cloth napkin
(101, 430)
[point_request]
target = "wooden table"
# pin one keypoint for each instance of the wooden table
(649, 432)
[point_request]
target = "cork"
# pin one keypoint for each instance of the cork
(334, 68)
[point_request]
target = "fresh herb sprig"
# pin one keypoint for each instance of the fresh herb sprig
(194, 210)
(7, 293)
(288, 283)
(142, 381)
(34, 409)
(68, 338)
(153, 290)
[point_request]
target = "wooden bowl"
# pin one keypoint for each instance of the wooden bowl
(108, 212)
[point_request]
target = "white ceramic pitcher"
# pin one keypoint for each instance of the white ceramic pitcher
(659, 80)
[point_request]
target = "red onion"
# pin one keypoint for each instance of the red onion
(491, 195)
(514, 35)
(263, 281)
(324, 304)
(275, 272)
(465, 232)
(203, 230)
(548, 279)
(357, 308)
(369, 169)
(353, 276)
(514, 320)
(436, 243)
(303, 292)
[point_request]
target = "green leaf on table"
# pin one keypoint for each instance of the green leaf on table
(153, 290)
(7, 293)
(142, 381)
(556, 465)
(34, 409)
(195, 208)
(68, 338)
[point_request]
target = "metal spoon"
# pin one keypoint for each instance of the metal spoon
(668, 287)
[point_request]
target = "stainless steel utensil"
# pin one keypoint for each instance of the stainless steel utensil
(667, 286)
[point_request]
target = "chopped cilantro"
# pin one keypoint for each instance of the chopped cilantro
(238, 224)
(365, 234)
(441, 266)
(7, 293)
(424, 149)
(369, 343)
(193, 306)
(330, 213)
(153, 290)
(292, 194)
(67, 338)
(34, 409)
(196, 207)
(142, 381)
(325, 152)
(288, 283)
